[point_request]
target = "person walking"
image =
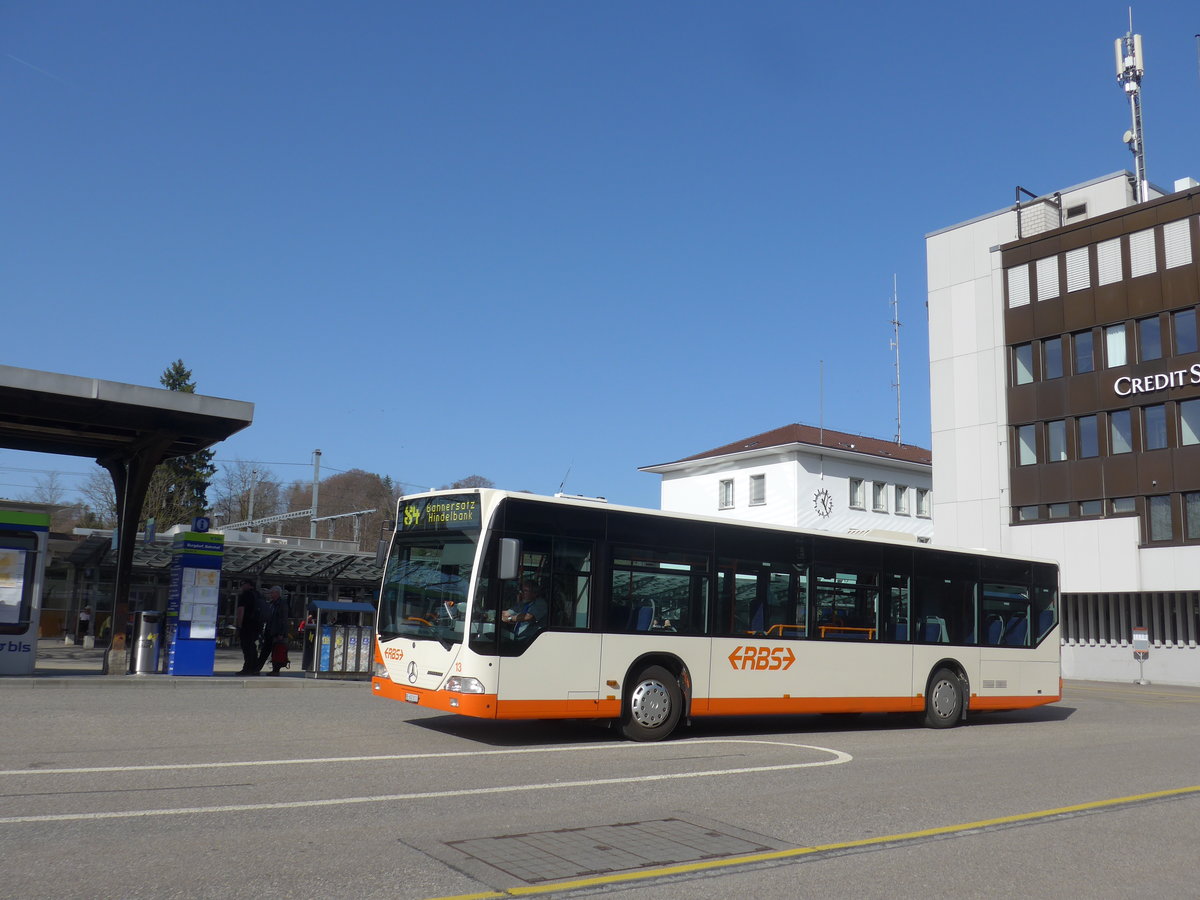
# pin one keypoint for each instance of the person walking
(275, 632)
(249, 624)
(84, 624)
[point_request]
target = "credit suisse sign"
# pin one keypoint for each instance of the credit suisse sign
(1127, 385)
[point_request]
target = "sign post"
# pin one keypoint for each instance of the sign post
(1141, 650)
(191, 634)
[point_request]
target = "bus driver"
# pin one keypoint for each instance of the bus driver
(527, 614)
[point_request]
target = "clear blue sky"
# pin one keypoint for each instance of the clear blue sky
(441, 238)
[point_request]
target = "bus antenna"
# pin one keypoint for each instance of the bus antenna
(566, 475)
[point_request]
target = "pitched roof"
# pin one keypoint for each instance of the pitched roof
(818, 437)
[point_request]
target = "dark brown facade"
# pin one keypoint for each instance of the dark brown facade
(1100, 375)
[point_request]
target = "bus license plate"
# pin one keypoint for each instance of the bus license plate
(412, 698)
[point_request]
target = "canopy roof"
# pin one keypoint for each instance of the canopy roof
(51, 413)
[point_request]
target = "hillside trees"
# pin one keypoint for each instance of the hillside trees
(345, 492)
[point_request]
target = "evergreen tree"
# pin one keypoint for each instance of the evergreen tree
(178, 489)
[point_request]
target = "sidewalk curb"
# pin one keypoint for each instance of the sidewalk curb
(175, 682)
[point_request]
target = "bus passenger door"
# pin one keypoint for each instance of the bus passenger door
(554, 671)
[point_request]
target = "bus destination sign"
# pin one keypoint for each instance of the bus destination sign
(440, 514)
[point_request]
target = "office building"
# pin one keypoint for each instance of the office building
(1065, 409)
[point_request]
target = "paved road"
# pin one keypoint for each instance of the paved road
(293, 788)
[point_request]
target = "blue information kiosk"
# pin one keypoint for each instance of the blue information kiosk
(191, 634)
(22, 570)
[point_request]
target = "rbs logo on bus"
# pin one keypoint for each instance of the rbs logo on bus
(762, 659)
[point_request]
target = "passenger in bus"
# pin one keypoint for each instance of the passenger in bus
(529, 612)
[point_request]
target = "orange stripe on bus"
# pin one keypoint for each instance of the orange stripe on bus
(489, 706)
(760, 706)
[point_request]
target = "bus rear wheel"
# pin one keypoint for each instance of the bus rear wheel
(943, 700)
(652, 705)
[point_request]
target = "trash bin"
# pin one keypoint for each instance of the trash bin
(147, 640)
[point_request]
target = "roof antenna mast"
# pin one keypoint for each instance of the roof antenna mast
(896, 347)
(1130, 68)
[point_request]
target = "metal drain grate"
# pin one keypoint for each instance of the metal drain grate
(574, 852)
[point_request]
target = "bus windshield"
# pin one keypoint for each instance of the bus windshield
(425, 587)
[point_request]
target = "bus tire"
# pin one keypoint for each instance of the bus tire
(943, 700)
(653, 705)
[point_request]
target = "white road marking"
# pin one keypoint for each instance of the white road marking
(837, 757)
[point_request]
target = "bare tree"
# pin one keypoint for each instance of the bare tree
(235, 486)
(101, 499)
(471, 481)
(50, 491)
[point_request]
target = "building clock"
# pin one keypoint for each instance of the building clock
(823, 502)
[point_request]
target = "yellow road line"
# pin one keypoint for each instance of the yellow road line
(776, 855)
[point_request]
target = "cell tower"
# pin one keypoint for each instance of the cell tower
(896, 347)
(1130, 68)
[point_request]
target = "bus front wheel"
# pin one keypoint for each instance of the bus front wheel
(943, 700)
(652, 705)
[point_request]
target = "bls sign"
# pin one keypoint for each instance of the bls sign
(762, 659)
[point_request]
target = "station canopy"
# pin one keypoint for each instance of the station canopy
(46, 412)
(262, 561)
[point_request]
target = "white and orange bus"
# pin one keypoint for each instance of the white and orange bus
(513, 606)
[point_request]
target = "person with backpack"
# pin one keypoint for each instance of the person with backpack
(248, 620)
(275, 633)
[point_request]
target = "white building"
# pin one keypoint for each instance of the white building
(1065, 409)
(807, 477)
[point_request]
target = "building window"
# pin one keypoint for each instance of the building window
(1078, 276)
(1084, 360)
(1177, 244)
(725, 494)
(1026, 445)
(1027, 514)
(879, 496)
(1059, 510)
(1056, 441)
(1149, 339)
(1160, 518)
(1023, 364)
(1018, 286)
(1155, 427)
(1091, 507)
(758, 490)
(1108, 261)
(923, 502)
(858, 495)
(1052, 358)
(1120, 432)
(902, 500)
(1141, 253)
(1183, 325)
(1089, 440)
(1189, 422)
(1047, 278)
(1114, 343)
(1123, 505)
(1191, 509)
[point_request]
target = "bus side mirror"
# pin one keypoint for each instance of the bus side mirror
(381, 550)
(510, 559)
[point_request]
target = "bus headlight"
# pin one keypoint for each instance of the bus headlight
(459, 684)
(379, 670)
